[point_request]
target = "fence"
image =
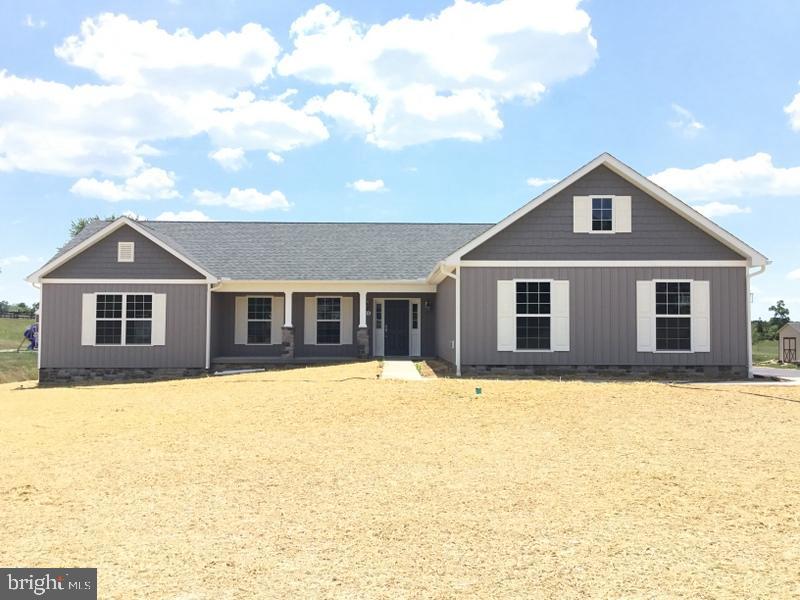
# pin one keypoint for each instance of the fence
(17, 315)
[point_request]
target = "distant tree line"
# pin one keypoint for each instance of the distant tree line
(18, 307)
(768, 330)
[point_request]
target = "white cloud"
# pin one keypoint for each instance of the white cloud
(250, 200)
(793, 110)
(443, 76)
(149, 184)
(159, 86)
(276, 158)
(729, 178)
(273, 125)
(684, 121)
(133, 215)
(367, 185)
(32, 23)
(230, 159)
(720, 209)
(14, 260)
(125, 51)
(794, 274)
(541, 181)
(183, 215)
(351, 111)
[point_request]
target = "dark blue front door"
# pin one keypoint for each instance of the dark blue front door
(396, 328)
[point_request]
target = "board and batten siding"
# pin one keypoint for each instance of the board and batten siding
(185, 339)
(547, 232)
(446, 320)
(603, 316)
(99, 261)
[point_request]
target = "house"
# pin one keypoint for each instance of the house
(787, 342)
(603, 271)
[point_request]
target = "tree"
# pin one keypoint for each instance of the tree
(780, 312)
(780, 316)
(80, 224)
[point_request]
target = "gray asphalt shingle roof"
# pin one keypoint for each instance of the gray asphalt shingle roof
(311, 251)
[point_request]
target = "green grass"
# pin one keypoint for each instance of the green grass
(17, 366)
(765, 353)
(11, 332)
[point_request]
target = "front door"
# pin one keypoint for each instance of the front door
(395, 328)
(789, 350)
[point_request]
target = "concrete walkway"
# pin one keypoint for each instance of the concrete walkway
(400, 369)
(785, 374)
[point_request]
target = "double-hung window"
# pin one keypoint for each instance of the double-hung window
(533, 315)
(673, 316)
(124, 319)
(259, 320)
(602, 214)
(329, 320)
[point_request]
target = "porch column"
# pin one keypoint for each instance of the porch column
(362, 335)
(287, 330)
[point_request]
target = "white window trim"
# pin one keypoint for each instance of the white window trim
(656, 316)
(548, 315)
(124, 319)
(248, 319)
(317, 321)
(120, 255)
(591, 213)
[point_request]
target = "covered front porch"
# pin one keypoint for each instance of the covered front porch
(260, 323)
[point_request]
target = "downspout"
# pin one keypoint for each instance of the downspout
(458, 320)
(750, 275)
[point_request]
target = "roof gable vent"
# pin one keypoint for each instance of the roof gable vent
(125, 252)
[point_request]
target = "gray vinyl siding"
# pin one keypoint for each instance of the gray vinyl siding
(603, 316)
(99, 261)
(427, 322)
(446, 320)
(185, 329)
(223, 327)
(657, 232)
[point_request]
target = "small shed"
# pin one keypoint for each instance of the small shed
(787, 342)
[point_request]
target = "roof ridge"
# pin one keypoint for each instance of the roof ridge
(321, 222)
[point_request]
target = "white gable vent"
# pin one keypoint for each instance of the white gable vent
(125, 252)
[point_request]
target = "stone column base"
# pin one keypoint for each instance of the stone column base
(287, 350)
(362, 339)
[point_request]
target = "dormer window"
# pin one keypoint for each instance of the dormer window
(125, 252)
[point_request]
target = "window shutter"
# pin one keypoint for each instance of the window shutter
(701, 316)
(240, 320)
(559, 316)
(89, 312)
(581, 214)
(622, 214)
(310, 321)
(158, 334)
(276, 333)
(346, 333)
(506, 315)
(645, 316)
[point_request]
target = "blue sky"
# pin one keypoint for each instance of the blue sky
(414, 111)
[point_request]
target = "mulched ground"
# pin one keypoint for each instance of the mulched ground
(325, 482)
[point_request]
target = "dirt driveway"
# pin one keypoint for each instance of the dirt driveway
(325, 482)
